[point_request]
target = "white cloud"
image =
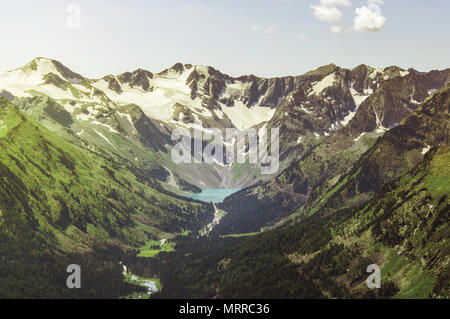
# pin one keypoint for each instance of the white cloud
(328, 11)
(303, 37)
(256, 28)
(368, 19)
(330, 14)
(336, 29)
(336, 3)
(268, 30)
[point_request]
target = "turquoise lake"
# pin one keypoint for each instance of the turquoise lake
(214, 195)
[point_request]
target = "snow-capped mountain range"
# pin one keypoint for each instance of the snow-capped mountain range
(175, 96)
(184, 93)
(128, 113)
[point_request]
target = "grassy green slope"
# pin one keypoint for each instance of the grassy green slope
(71, 200)
(119, 132)
(404, 229)
(396, 217)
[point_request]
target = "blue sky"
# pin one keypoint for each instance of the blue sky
(261, 37)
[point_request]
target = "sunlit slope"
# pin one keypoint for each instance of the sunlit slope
(80, 196)
(404, 229)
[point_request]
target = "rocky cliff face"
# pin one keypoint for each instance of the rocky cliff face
(315, 180)
(399, 150)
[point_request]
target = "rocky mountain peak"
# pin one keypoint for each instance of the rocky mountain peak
(40, 67)
(138, 78)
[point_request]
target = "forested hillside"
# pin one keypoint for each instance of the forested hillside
(57, 199)
(398, 219)
(404, 229)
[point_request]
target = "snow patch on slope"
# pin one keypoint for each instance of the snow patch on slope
(128, 117)
(426, 149)
(404, 73)
(326, 82)
(375, 72)
(19, 81)
(359, 137)
(243, 117)
(359, 98)
(348, 118)
(169, 89)
(105, 125)
(413, 101)
(105, 138)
